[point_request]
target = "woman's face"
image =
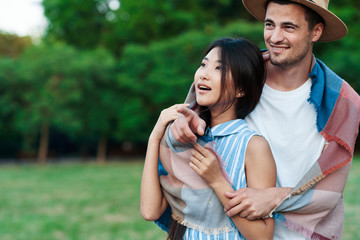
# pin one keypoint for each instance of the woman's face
(207, 81)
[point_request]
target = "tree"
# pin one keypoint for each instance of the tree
(67, 89)
(341, 56)
(76, 22)
(12, 45)
(92, 109)
(113, 23)
(41, 70)
(9, 105)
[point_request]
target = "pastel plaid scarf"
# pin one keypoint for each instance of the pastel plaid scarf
(315, 208)
(187, 193)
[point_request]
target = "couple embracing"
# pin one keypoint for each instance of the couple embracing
(262, 148)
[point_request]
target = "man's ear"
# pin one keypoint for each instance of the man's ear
(317, 32)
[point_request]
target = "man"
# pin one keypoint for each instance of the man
(309, 116)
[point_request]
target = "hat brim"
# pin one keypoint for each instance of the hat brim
(335, 28)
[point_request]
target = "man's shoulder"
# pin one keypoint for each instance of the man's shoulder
(350, 94)
(321, 68)
(346, 88)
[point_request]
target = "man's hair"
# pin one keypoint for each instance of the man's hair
(311, 16)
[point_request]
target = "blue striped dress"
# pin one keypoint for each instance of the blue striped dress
(231, 140)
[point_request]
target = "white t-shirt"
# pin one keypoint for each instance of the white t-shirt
(288, 121)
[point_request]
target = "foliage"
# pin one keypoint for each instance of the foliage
(113, 23)
(10, 92)
(12, 45)
(342, 56)
(40, 75)
(76, 22)
(106, 68)
(58, 86)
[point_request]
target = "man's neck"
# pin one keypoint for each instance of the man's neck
(289, 78)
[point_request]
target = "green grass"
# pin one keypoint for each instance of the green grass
(88, 201)
(352, 202)
(73, 201)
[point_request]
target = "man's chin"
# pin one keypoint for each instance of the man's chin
(278, 63)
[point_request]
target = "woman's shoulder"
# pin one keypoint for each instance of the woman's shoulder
(257, 146)
(257, 142)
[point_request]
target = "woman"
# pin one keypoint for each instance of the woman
(228, 86)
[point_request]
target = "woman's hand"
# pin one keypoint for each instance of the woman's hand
(166, 116)
(205, 163)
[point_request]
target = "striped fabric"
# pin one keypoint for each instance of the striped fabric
(199, 208)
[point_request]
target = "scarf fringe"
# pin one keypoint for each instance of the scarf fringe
(299, 190)
(206, 230)
(308, 185)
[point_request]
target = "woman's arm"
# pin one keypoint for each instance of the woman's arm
(260, 173)
(152, 201)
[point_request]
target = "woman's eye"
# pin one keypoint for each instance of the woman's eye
(218, 68)
(202, 64)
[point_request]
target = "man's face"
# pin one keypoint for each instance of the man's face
(286, 34)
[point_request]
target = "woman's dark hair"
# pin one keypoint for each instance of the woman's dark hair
(176, 230)
(242, 60)
(311, 16)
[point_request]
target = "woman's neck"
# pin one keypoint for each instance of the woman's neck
(221, 117)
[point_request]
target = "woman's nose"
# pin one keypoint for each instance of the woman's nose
(204, 75)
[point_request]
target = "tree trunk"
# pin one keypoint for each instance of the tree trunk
(101, 152)
(44, 143)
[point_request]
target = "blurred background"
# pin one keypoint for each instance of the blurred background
(87, 79)
(83, 82)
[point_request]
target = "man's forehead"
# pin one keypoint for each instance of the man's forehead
(288, 6)
(285, 13)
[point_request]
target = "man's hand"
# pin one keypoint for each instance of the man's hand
(266, 55)
(167, 115)
(187, 125)
(252, 203)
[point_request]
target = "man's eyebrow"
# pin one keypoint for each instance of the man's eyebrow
(268, 20)
(290, 24)
(283, 23)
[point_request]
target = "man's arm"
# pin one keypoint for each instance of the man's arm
(253, 203)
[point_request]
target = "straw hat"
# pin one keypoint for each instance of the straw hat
(334, 27)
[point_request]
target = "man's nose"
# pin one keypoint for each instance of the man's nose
(277, 35)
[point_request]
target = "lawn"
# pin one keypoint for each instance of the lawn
(89, 201)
